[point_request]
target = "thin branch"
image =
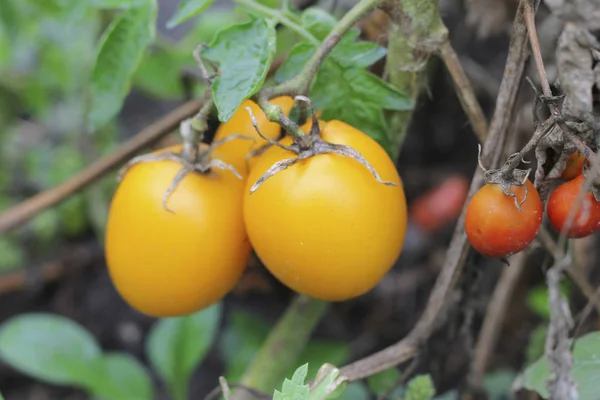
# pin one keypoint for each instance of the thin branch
(494, 318)
(465, 91)
(31, 207)
(459, 246)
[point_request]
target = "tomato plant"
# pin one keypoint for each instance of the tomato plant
(175, 261)
(495, 226)
(324, 227)
(234, 152)
(574, 166)
(587, 215)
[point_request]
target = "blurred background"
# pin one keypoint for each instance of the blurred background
(54, 263)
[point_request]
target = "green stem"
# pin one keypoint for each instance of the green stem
(278, 16)
(283, 346)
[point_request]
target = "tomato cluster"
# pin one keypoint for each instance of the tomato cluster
(324, 226)
(498, 225)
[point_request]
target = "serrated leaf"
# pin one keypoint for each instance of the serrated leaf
(295, 388)
(122, 377)
(383, 381)
(176, 346)
(50, 348)
(294, 61)
(244, 53)
(585, 371)
(121, 48)
(317, 21)
(420, 388)
(358, 54)
(186, 10)
(116, 4)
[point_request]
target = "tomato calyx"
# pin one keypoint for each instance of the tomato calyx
(508, 176)
(306, 146)
(193, 157)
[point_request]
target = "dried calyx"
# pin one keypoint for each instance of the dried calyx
(193, 157)
(508, 176)
(307, 146)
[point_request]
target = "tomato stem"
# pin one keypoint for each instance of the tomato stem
(283, 346)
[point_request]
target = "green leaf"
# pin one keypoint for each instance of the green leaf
(121, 49)
(327, 382)
(420, 388)
(294, 61)
(243, 337)
(319, 352)
(537, 298)
(159, 74)
(354, 391)
(244, 53)
(372, 89)
(318, 22)
(176, 346)
(294, 389)
(186, 10)
(50, 348)
(361, 54)
(122, 377)
(115, 4)
(585, 372)
(383, 381)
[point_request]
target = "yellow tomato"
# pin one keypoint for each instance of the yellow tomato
(174, 263)
(234, 152)
(325, 227)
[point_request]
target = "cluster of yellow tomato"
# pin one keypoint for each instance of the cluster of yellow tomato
(324, 227)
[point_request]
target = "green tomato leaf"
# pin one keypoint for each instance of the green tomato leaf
(244, 53)
(50, 348)
(186, 10)
(318, 22)
(243, 337)
(295, 388)
(420, 388)
(383, 381)
(176, 346)
(372, 89)
(294, 62)
(121, 48)
(159, 74)
(585, 372)
(361, 54)
(123, 377)
(116, 4)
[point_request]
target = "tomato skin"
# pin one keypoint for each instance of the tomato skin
(168, 264)
(325, 227)
(234, 152)
(562, 201)
(574, 166)
(440, 205)
(494, 225)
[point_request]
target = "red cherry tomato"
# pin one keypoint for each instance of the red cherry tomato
(494, 225)
(574, 166)
(440, 205)
(562, 201)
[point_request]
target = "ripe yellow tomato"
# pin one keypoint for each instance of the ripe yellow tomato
(174, 263)
(234, 152)
(325, 227)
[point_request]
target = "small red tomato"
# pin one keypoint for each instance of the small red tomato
(574, 166)
(440, 205)
(494, 225)
(587, 216)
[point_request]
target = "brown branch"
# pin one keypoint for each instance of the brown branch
(29, 208)
(464, 90)
(494, 318)
(459, 246)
